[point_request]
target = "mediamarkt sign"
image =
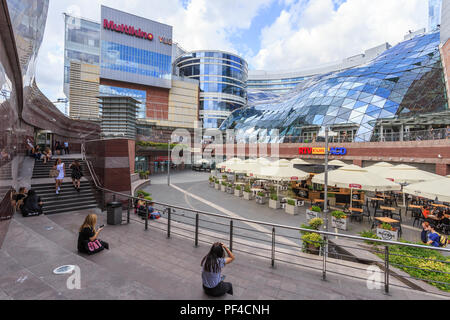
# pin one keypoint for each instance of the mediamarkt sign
(130, 30)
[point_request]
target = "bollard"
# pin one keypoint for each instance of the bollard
(169, 211)
(231, 235)
(196, 229)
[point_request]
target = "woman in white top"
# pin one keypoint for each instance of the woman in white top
(59, 165)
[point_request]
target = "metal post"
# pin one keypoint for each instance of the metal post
(324, 252)
(273, 247)
(196, 230)
(114, 197)
(168, 163)
(386, 269)
(146, 216)
(128, 211)
(325, 196)
(169, 213)
(231, 235)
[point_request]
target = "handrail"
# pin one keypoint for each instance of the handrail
(325, 233)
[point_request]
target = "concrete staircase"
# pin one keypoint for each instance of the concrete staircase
(68, 199)
(42, 170)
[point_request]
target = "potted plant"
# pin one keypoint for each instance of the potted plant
(274, 202)
(313, 212)
(248, 195)
(224, 177)
(238, 191)
(216, 184)
(312, 242)
(211, 182)
(230, 188)
(332, 199)
(261, 198)
(291, 207)
(339, 220)
(224, 186)
(386, 232)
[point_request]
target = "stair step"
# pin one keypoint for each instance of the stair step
(67, 196)
(69, 206)
(82, 207)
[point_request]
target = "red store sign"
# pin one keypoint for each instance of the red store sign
(123, 28)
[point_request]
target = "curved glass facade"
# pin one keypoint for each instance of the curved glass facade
(223, 83)
(405, 80)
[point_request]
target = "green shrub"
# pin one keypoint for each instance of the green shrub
(238, 188)
(261, 194)
(291, 202)
(316, 223)
(339, 214)
(230, 185)
(386, 226)
(224, 183)
(331, 195)
(274, 197)
(316, 209)
(148, 198)
(369, 234)
(247, 189)
(143, 193)
(224, 177)
(313, 239)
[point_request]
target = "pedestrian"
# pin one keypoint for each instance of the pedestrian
(58, 147)
(76, 174)
(88, 241)
(59, 166)
(425, 231)
(66, 147)
(212, 263)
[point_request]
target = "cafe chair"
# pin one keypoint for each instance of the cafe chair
(418, 217)
(397, 215)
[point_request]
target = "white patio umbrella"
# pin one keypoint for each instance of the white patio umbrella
(337, 163)
(435, 189)
(354, 177)
(282, 162)
(243, 166)
(299, 161)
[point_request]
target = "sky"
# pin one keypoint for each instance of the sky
(268, 34)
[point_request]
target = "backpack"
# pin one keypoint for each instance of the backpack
(443, 240)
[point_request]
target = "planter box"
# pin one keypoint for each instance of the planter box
(238, 193)
(312, 249)
(332, 201)
(211, 184)
(230, 190)
(293, 210)
(387, 235)
(223, 188)
(340, 224)
(248, 196)
(274, 204)
(312, 214)
(217, 186)
(261, 200)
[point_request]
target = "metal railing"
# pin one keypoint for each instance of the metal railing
(282, 244)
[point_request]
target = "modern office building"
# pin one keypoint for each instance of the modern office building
(128, 56)
(118, 116)
(434, 16)
(406, 80)
(223, 83)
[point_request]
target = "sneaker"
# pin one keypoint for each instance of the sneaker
(57, 191)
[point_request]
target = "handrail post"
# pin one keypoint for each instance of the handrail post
(231, 235)
(128, 210)
(386, 269)
(169, 213)
(324, 252)
(196, 229)
(146, 215)
(273, 247)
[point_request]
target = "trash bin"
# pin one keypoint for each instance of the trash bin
(114, 213)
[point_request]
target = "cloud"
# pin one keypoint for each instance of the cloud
(311, 33)
(197, 25)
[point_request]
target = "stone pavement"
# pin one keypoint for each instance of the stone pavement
(147, 265)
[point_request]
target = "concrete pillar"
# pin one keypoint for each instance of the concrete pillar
(401, 132)
(381, 133)
(442, 169)
(358, 163)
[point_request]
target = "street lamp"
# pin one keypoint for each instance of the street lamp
(168, 163)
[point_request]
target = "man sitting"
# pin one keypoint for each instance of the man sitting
(434, 238)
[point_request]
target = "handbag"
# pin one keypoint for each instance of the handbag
(53, 173)
(94, 246)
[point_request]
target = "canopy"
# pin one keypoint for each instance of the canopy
(299, 161)
(379, 167)
(433, 189)
(407, 174)
(223, 165)
(282, 172)
(282, 162)
(354, 177)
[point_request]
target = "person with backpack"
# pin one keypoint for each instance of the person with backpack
(77, 173)
(32, 205)
(435, 239)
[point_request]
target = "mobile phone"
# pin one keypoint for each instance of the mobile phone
(101, 226)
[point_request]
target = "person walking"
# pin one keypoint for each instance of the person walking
(66, 147)
(59, 166)
(76, 174)
(212, 263)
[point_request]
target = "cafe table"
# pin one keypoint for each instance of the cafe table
(386, 220)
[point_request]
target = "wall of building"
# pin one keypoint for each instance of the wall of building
(445, 21)
(84, 91)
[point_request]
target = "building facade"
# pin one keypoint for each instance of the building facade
(406, 80)
(223, 83)
(434, 14)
